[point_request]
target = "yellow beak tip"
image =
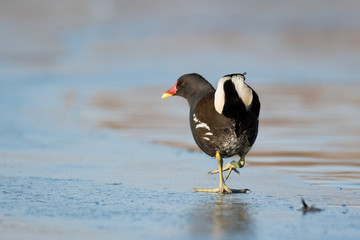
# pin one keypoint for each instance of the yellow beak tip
(165, 95)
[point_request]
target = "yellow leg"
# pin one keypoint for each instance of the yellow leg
(222, 187)
(233, 165)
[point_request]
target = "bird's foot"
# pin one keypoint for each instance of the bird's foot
(207, 190)
(225, 189)
(221, 189)
(232, 166)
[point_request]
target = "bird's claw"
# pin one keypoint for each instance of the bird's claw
(241, 190)
(232, 166)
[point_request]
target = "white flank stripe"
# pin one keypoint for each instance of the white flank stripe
(206, 138)
(208, 134)
(203, 125)
(195, 118)
(199, 123)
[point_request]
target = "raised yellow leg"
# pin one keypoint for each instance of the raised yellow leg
(233, 165)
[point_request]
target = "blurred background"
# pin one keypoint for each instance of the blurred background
(73, 68)
(88, 147)
(153, 42)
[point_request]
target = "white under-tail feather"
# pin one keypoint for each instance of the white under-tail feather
(243, 91)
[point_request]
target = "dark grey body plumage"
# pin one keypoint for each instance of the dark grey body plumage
(234, 131)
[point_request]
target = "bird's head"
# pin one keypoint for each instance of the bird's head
(189, 86)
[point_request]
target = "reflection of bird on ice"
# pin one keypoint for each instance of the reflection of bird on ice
(221, 216)
(224, 122)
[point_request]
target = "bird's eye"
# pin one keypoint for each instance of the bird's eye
(183, 84)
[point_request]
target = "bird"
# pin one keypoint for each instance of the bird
(224, 122)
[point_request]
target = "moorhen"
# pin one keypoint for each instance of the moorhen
(224, 122)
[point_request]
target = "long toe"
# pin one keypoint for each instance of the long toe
(207, 190)
(240, 190)
(225, 168)
(213, 172)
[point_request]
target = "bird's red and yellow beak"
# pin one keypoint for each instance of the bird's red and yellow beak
(170, 92)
